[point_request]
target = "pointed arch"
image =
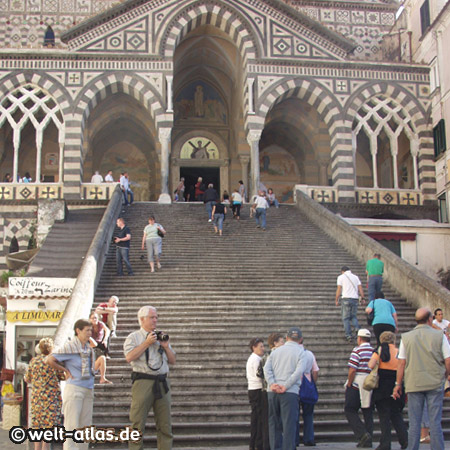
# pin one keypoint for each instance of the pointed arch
(218, 14)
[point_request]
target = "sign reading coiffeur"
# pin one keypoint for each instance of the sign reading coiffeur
(41, 287)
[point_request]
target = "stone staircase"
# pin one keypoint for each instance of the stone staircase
(213, 295)
(65, 247)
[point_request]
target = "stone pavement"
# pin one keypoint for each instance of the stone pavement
(6, 444)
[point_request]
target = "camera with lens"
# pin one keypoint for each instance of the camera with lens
(160, 336)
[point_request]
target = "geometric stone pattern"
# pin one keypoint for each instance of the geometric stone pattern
(388, 197)
(365, 25)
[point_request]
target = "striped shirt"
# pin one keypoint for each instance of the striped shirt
(360, 358)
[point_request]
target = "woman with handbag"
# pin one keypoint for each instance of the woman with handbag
(152, 238)
(46, 399)
(389, 410)
(384, 315)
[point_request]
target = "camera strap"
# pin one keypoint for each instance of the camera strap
(147, 357)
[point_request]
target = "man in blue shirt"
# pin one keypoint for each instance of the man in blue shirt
(76, 359)
(284, 372)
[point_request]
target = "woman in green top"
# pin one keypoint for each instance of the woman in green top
(153, 242)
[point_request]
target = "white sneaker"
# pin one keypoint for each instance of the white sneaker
(209, 220)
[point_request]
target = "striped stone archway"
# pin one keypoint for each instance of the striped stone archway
(330, 111)
(96, 91)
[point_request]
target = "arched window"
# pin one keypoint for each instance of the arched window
(385, 144)
(49, 37)
(31, 109)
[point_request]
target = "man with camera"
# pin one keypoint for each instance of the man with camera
(149, 353)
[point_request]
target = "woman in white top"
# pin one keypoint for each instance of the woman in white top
(236, 200)
(153, 241)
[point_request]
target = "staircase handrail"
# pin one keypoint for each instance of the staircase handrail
(418, 289)
(80, 303)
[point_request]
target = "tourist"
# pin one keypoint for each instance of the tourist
(307, 407)
(356, 397)
(99, 342)
(260, 206)
(153, 241)
(122, 241)
(210, 198)
(349, 286)
(199, 189)
(236, 202)
(150, 354)
(424, 364)
(179, 191)
(284, 371)
(256, 393)
(46, 399)
(109, 177)
(218, 216)
(374, 271)
(97, 178)
(385, 316)
(271, 199)
(7, 178)
(108, 312)
(126, 190)
(78, 397)
(27, 178)
(242, 191)
(389, 409)
(439, 323)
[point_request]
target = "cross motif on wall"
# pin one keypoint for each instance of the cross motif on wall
(4, 193)
(48, 192)
(367, 197)
(409, 199)
(74, 78)
(341, 86)
(323, 197)
(97, 193)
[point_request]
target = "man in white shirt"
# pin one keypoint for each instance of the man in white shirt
(109, 177)
(260, 206)
(125, 186)
(259, 438)
(350, 287)
(97, 178)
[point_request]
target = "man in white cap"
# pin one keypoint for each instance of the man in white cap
(356, 397)
(108, 311)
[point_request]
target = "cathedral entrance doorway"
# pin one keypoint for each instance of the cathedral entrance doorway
(191, 174)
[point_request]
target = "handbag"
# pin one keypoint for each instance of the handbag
(371, 381)
(308, 391)
(371, 315)
(160, 233)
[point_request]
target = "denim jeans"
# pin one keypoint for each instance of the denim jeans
(375, 284)
(209, 207)
(283, 419)
(260, 217)
(218, 221)
(122, 254)
(125, 196)
(349, 312)
(433, 399)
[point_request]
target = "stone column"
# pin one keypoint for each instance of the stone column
(244, 159)
(253, 139)
(323, 178)
(164, 139)
(373, 151)
(169, 79)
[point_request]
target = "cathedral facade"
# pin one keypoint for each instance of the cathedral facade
(281, 93)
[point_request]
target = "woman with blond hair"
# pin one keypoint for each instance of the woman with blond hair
(389, 410)
(46, 392)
